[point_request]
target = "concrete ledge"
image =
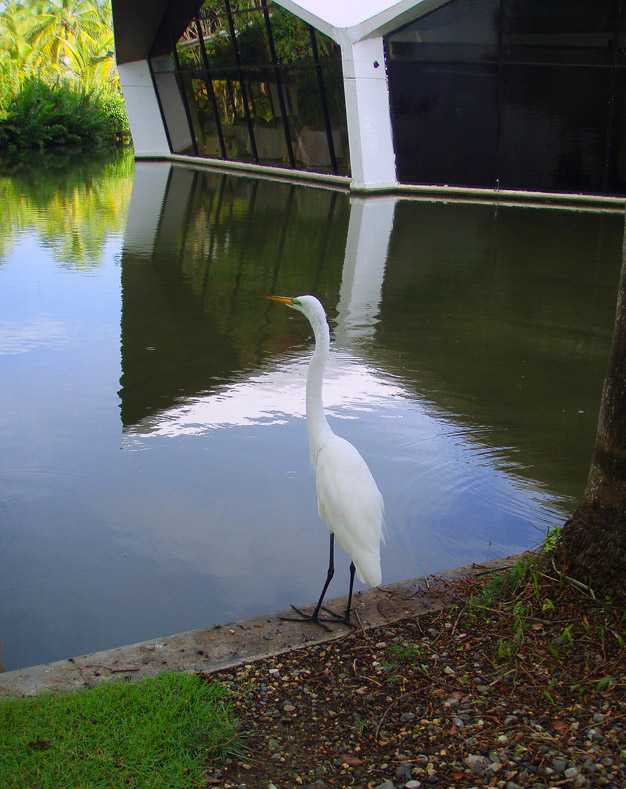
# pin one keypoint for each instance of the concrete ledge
(222, 646)
(506, 197)
(251, 170)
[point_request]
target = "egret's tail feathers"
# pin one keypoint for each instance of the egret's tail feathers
(368, 569)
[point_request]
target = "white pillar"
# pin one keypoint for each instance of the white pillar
(146, 123)
(369, 121)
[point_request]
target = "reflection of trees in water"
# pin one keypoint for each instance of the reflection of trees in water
(73, 203)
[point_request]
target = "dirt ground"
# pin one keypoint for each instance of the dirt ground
(530, 692)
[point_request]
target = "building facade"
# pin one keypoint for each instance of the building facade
(478, 94)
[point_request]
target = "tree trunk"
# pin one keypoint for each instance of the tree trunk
(594, 538)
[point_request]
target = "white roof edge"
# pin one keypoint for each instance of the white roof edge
(353, 20)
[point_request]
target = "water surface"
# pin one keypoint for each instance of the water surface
(155, 474)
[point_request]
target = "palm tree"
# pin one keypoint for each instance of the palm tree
(57, 38)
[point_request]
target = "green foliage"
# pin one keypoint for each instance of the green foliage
(68, 39)
(404, 651)
(502, 586)
(42, 115)
(58, 83)
(154, 733)
(552, 540)
(112, 105)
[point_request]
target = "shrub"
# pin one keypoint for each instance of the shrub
(41, 114)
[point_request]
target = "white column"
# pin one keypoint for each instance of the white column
(145, 120)
(369, 121)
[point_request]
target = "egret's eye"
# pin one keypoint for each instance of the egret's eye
(296, 301)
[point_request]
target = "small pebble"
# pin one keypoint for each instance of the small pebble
(403, 771)
(477, 764)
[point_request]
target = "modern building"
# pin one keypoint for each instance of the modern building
(521, 95)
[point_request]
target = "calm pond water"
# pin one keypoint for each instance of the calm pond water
(155, 476)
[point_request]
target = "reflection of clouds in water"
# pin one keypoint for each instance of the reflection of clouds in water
(273, 397)
(449, 493)
(20, 337)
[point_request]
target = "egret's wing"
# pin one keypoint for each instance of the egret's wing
(351, 505)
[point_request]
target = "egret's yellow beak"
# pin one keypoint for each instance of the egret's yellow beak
(282, 299)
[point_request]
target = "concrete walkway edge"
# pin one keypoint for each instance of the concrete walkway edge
(222, 646)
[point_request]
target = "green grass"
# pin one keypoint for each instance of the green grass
(504, 586)
(156, 733)
(404, 652)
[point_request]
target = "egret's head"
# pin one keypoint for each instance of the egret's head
(309, 305)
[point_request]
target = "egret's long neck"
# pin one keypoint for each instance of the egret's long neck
(317, 426)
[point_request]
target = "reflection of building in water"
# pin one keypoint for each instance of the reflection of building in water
(200, 251)
(491, 320)
(489, 94)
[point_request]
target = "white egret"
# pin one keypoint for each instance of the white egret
(348, 499)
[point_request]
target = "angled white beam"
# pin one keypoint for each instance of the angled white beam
(355, 20)
(142, 108)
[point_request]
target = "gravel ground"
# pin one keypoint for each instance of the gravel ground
(517, 694)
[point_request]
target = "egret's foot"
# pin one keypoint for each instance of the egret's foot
(319, 620)
(344, 618)
(302, 617)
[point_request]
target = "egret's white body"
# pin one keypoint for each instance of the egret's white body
(350, 505)
(348, 498)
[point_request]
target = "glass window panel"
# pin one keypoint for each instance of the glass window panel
(216, 34)
(328, 51)
(621, 36)
(617, 151)
(189, 54)
(203, 117)
(335, 99)
(559, 31)
(173, 108)
(162, 64)
(306, 119)
(187, 82)
(251, 33)
(461, 30)
(230, 103)
(292, 39)
(550, 142)
(248, 93)
(445, 123)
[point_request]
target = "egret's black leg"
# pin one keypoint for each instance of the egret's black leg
(346, 616)
(315, 616)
